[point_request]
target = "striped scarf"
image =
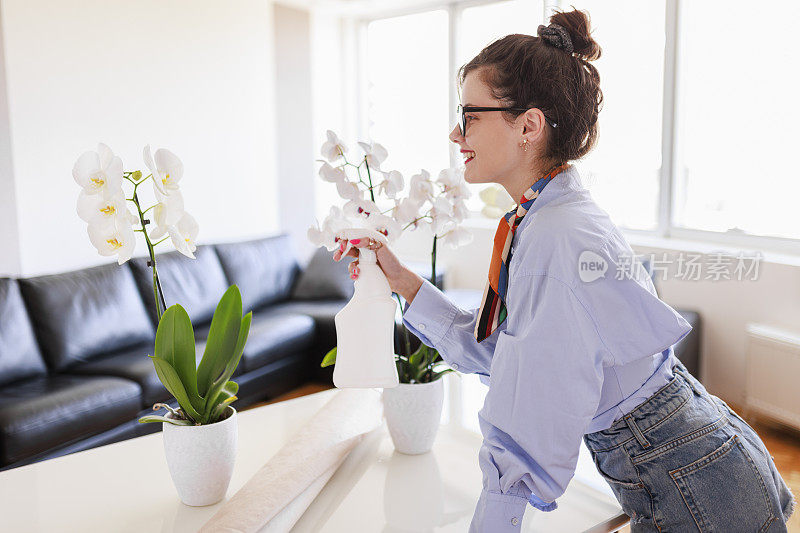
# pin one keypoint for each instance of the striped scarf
(493, 308)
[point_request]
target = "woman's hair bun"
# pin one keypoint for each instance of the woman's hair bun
(576, 23)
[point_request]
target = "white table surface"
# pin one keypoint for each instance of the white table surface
(126, 487)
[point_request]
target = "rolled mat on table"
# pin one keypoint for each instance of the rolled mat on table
(280, 492)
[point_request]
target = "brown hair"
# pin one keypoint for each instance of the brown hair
(528, 72)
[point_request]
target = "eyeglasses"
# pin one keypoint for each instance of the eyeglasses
(461, 112)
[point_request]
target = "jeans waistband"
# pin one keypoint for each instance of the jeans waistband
(651, 412)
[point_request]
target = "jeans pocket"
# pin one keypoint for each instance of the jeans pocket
(725, 490)
(614, 482)
(632, 497)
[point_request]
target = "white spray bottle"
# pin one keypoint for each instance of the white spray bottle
(365, 326)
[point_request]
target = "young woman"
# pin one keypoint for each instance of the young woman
(571, 343)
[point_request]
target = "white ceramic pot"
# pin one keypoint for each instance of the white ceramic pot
(413, 412)
(200, 458)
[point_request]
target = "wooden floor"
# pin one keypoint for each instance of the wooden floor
(782, 443)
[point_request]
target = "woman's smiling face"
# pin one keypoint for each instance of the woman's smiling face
(493, 141)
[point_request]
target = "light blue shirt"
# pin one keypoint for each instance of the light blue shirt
(581, 347)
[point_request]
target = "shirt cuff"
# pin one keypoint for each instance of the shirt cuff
(541, 504)
(498, 513)
(430, 313)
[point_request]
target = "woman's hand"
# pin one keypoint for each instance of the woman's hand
(401, 280)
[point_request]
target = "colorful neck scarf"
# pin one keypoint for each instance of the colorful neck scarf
(493, 308)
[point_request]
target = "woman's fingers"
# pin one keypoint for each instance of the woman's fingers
(355, 244)
(353, 269)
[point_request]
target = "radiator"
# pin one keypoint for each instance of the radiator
(772, 384)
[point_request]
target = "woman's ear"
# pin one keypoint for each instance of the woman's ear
(533, 123)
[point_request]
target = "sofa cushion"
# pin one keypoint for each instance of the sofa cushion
(263, 269)
(81, 314)
(275, 333)
(44, 412)
(19, 354)
(324, 279)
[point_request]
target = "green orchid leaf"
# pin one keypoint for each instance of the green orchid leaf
(156, 418)
(437, 375)
(329, 359)
(228, 390)
(169, 377)
(175, 345)
(417, 357)
(233, 362)
(222, 338)
(218, 410)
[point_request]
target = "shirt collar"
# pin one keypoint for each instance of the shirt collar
(564, 182)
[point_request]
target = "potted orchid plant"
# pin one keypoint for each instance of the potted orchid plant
(375, 198)
(202, 430)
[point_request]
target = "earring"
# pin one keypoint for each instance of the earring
(524, 144)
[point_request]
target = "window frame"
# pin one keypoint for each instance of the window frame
(671, 149)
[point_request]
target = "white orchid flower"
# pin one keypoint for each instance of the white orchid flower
(392, 184)
(117, 238)
(95, 209)
(333, 148)
(448, 177)
(421, 188)
(457, 237)
(325, 235)
(332, 174)
(459, 191)
(167, 169)
(375, 154)
(441, 207)
(320, 237)
(492, 212)
(406, 211)
(498, 201)
(360, 208)
(460, 211)
(166, 213)
(349, 190)
(99, 172)
(442, 219)
(386, 225)
(184, 235)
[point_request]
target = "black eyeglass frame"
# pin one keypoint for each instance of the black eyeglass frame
(462, 110)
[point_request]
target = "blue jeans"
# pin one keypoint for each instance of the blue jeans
(685, 461)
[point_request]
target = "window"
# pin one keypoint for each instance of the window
(481, 25)
(738, 120)
(407, 69)
(623, 170)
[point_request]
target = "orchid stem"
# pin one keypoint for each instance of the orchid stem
(158, 292)
(371, 193)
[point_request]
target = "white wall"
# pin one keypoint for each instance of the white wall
(293, 105)
(196, 77)
(9, 226)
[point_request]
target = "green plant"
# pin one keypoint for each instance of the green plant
(203, 391)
